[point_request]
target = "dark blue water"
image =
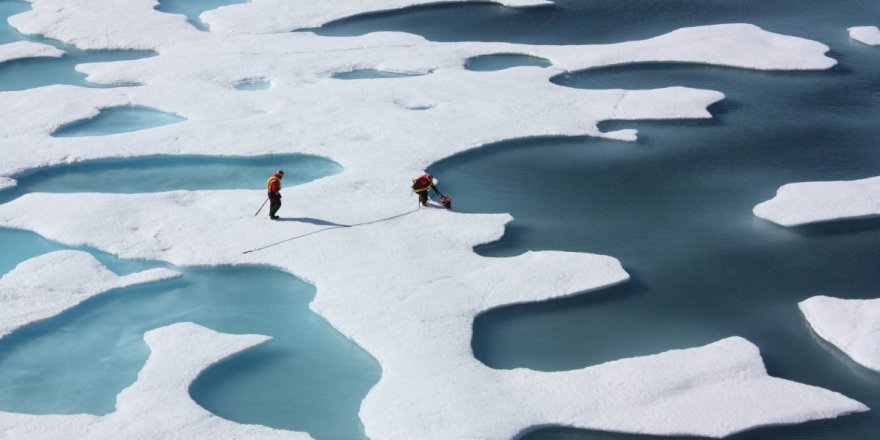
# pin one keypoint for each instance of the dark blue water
(38, 72)
(115, 120)
(489, 63)
(675, 207)
(171, 173)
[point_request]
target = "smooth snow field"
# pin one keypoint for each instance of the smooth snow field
(630, 289)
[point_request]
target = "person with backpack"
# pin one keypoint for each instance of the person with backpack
(424, 183)
(273, 186)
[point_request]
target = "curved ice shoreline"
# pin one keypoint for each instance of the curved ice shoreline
(851, 325)
(27, 49)
(865, 34)
(803, 203)
(415, 319)
(44, 286)
(158, 404)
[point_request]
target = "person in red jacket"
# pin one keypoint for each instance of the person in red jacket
(422, 184)
(273, 186)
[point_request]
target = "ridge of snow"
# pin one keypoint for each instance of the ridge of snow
(851, 325)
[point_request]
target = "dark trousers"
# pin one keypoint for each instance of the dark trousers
(274, 203)
(423, 197)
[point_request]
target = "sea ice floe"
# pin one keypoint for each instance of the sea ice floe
(852, 325)
(406, 285)
(865, 34)
(47, 285)
(407, 290)
(158, 404)
(309, 112)
(810, 202)
(28, 49)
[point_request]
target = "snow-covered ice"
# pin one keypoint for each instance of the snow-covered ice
(158, 404)
(852, 325)
(47, 285)
(810, 202)
(408, 300)
(28, 49)
(417, 322)
(865, 34)
(308, 111)
(6, 183)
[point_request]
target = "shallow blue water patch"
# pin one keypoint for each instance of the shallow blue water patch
(7, 9)
(171, 173)
(38, 72)
(114, 120)
(30, 73)
(372, 74)
(20, 245)
(309, 377)
(192, 9)
(251, 85)
(488, 63)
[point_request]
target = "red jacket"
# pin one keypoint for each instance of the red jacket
(273, 185)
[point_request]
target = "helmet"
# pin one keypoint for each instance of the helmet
(280, 172)
(429, 176)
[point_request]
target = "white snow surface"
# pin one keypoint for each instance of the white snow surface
(852, 325)
(158, 404)
(406, 289)
(865, 34)
(811, 202)
(6, 183)
(27, 49)
(47, 285)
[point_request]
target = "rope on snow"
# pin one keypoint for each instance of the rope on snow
(329, 228)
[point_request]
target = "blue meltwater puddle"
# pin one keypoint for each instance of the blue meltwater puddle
(113, 120)
(29, 73)
(192, 9)
(308, 378)
(170, 173)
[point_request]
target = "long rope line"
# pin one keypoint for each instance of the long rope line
(331, 227)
